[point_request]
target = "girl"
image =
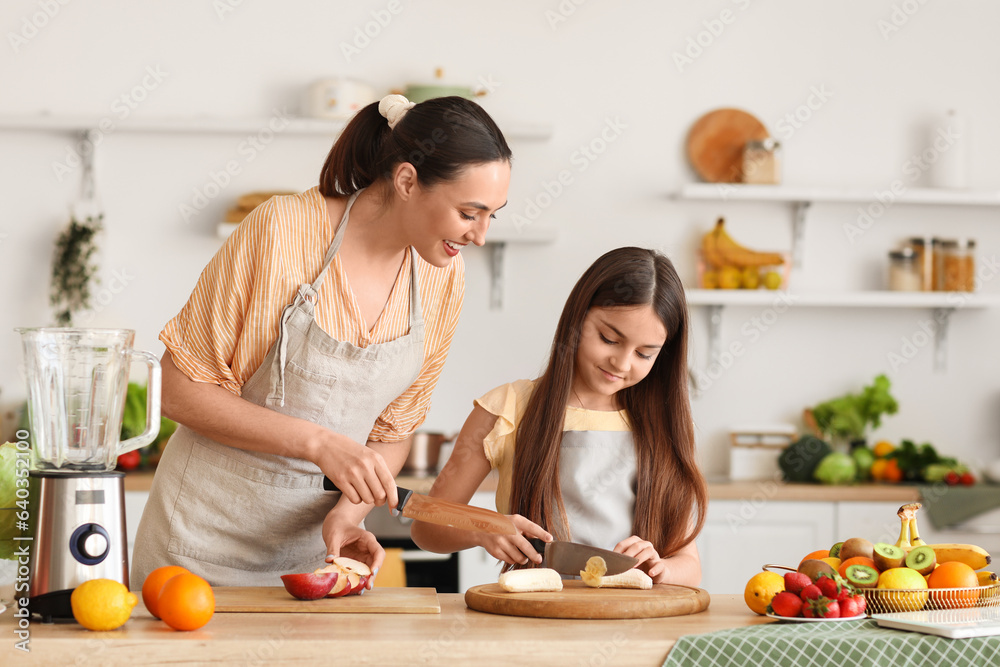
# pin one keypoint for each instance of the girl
(278, 377)
(600, 448)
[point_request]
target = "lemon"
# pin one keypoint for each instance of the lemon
(761, 588)
(772, 280)
(730, 277)
(102, 604)
(750, 278)
(907, 579)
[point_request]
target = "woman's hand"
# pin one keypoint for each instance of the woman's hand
(360, 473)
(515, 549)
(649, 560)
(344, 538)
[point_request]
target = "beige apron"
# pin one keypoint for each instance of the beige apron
(597, 473)
(242, 518)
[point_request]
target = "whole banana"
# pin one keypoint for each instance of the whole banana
(737, 255)
(975, 557)
(710, 250)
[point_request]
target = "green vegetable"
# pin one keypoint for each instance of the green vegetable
(799, 459)
(863, 459)
(936, 472)
(850, 416)
(836, 468)
(913, 460)
(8, 500)
(134, 420)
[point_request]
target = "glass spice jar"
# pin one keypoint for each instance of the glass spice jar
(923, 248)
(958, 266)
(761, 162)
(904, 273)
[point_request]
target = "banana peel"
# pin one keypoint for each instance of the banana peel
(908, 536)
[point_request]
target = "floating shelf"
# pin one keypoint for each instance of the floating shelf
(943, 304)
(220, 125)
(792, 194)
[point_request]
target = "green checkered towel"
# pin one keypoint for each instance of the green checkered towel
(947, 506)
(860, 643)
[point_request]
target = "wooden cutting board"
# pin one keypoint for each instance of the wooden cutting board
(275, 599)
(577, 600)
(715, 144)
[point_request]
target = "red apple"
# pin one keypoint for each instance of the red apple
(310, 585)
(362, 580)
(352, 565)
(353, 576)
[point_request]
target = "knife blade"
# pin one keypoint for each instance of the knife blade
(571, 558)
(442, 512)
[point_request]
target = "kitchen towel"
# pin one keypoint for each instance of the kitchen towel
(859, 643)
(948, 506)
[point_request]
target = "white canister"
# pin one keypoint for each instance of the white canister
(336, 98)
(950, 143)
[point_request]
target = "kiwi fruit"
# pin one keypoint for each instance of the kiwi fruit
(813, 568)
(855, 547)
(861, 576)
(887, 556)
(836, 549)
(922, 559)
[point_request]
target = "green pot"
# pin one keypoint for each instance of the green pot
(421, 93)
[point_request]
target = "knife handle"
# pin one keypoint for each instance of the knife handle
(328, 484)
(404, 494)
(537, 544)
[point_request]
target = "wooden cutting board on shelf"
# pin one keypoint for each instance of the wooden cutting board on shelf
(577, 600)
(275, 599)
(715, 143)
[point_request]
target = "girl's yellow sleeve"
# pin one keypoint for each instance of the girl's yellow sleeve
(507, 402)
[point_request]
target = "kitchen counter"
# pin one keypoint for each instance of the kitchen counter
(718, 489)
(456, 636)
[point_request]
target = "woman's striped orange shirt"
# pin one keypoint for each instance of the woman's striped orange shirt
(230, 322)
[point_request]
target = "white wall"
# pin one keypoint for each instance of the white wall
(604, 62)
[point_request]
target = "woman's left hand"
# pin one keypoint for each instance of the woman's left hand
(649, 560)
(344, 538)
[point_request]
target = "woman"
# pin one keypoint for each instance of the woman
(311, 345)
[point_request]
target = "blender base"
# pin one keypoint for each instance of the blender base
(51, 606)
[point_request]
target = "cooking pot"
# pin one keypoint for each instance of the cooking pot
(336, 98)
(425, 449)
(421, 92)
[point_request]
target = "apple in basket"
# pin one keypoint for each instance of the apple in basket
(353, 575)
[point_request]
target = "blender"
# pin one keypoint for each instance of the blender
(77, 381)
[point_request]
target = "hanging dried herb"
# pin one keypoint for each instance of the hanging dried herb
(73, 268)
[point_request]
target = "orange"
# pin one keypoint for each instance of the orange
(857, 560)
(186, 602)
(761, 588)
(816, 555)
(883, 448)
(893, 473)
(952, 574)
(154, 582)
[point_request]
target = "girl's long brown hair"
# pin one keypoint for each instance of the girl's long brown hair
(670, 488)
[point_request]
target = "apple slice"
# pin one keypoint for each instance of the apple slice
(362, 580)
(352, 565)
(310, 585)
(344, 584)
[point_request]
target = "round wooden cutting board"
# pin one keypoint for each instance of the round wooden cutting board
(577, 600)
(715, 144)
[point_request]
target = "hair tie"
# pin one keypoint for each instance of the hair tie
(393, 108)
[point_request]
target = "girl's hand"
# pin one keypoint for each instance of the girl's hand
(344, 538)
(515, 549)
(649, 560)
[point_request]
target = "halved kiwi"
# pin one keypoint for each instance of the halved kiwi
(861, 576)
(887, 556)
(854, 547)
(922, 559)
(813, 568)
(835, 550)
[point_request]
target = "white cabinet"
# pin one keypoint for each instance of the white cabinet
(741, 536)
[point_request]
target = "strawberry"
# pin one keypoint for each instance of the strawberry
(849, 607)
(828, 586)
(862, 603)
(810, 592)
(824, 607)
(786, 604)
(846, 591)
(796, 581)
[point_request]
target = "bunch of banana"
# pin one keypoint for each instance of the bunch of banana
(720, 250)
(975, 557)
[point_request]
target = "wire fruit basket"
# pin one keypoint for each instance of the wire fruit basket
(893, 600)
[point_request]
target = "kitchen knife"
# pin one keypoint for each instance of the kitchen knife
(571, 558)
(445, 512)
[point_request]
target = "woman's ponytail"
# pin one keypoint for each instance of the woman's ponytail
(353, 161)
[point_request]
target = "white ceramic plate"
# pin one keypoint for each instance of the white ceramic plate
(803, 619)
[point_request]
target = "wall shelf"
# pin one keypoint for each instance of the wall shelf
(943, 305)
(219, 125)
